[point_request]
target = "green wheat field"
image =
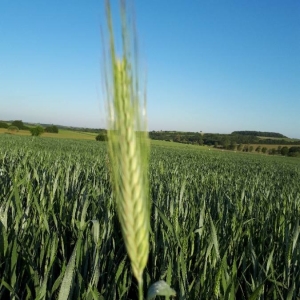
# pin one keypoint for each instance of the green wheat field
(223, 225)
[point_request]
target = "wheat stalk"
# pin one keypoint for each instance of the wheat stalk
(128, 149)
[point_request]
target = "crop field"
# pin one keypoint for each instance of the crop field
(224, 225)
(63, 134)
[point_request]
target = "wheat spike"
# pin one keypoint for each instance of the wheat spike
(128, 149)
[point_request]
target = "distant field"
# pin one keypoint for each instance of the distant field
(81, 135)
(211, 148)
(178, 145)
(63, 134)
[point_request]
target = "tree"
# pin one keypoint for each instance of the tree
(19, 124)
(264, 150)
(251, 148)
(36, 131)
(101, 137)
(294, 151)
(240, 147)
(279, 149)
(272, 151)
(258, 149)
(3, 125)
(284, 151)
(51, 129)
(177, 138)
(232, 146)
(225, 142)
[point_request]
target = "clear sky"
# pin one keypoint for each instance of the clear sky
(212, 66)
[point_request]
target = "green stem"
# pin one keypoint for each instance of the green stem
(141, 296)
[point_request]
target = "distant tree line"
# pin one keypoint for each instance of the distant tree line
(285, 151)
(51, 129)
(212, 139)
(235, 142)
(83, 129)
(260, 133)
(20, 125)
(38, 130)
(293, 151)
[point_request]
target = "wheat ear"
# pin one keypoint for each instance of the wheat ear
(128, 149)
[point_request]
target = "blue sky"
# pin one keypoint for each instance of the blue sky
(212, 66)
